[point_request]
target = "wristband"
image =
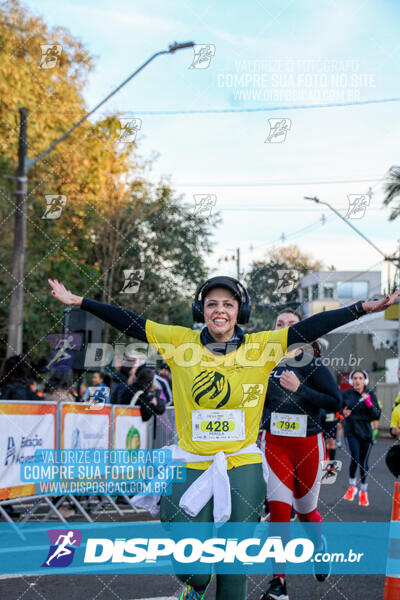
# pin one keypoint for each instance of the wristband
(368, 402)
(358, 307)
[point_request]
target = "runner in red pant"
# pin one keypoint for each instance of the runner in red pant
(299, 386)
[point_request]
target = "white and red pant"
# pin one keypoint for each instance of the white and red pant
(295, 468)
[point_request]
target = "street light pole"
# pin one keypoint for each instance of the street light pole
(15, 323)
(394, 259)
(17, 294)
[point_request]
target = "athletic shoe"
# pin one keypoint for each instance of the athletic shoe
(351, 493)
(331, 471)
(189, 593)
(363, 499)
(339, 443)
(321, 577)
(276, 591)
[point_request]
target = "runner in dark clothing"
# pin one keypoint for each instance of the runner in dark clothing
(360, 407)
(299, 387)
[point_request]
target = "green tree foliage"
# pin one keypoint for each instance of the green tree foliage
(392, 191)
(265, 284)
(114, 218)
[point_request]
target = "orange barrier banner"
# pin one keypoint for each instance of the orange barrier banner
(84, 428)
(129, 431)
(24, 428)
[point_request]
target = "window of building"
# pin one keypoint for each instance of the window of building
(329, 289)
(314, 291)
(352, 289)
(306, 295)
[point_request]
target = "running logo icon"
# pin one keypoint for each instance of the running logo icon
(133, 279)
(54, 206)
(252, 394)
(63, 347)
(50, 55)
(203, 54)
(204, 203)
(63, 543)
(129, 129)
(358, 204)
(288, 281)
(278, 129)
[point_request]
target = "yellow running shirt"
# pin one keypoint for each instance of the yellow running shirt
(218, 398)
(395, 420)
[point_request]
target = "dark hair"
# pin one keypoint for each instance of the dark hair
(144, 378)
(291, 311)
(13, 369)
(102, 375)
(393, 460)
(364, 373)
(59, 380)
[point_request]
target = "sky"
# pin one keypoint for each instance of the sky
(263, 54)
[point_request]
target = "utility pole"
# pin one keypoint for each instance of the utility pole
(16, 312)
(238, 263)
(393, 259)
(15, 322)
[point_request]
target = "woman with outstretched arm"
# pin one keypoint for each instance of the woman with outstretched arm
(220, 376)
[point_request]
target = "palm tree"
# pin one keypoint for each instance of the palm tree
(392, 190)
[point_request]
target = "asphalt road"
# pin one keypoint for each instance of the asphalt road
(302, 587)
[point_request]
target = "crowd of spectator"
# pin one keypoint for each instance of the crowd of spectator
(138, 384)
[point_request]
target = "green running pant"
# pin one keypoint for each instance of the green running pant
(248, 492)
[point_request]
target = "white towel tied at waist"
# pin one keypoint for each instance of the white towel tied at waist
(212, 483)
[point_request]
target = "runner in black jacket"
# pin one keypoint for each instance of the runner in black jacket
(360, 407)
(291, 438)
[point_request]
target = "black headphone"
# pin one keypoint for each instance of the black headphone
(229, 282)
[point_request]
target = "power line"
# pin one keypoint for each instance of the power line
(280, 208)
(204, 111)
(276, 183)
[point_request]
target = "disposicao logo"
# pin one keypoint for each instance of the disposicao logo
(62, 547)
(192, 550)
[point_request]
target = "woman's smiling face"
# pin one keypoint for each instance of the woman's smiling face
(220, 313)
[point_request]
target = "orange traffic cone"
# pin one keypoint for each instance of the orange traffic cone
(392, 583)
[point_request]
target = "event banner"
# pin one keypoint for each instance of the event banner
(24, 428)
(140, 548)
(129, 432)
(84, 426)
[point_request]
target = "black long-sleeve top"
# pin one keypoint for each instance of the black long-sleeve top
(304, 332)
(317, 390)
(359, 422)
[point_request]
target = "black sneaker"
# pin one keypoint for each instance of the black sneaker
(321, 577)
(276, 591)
